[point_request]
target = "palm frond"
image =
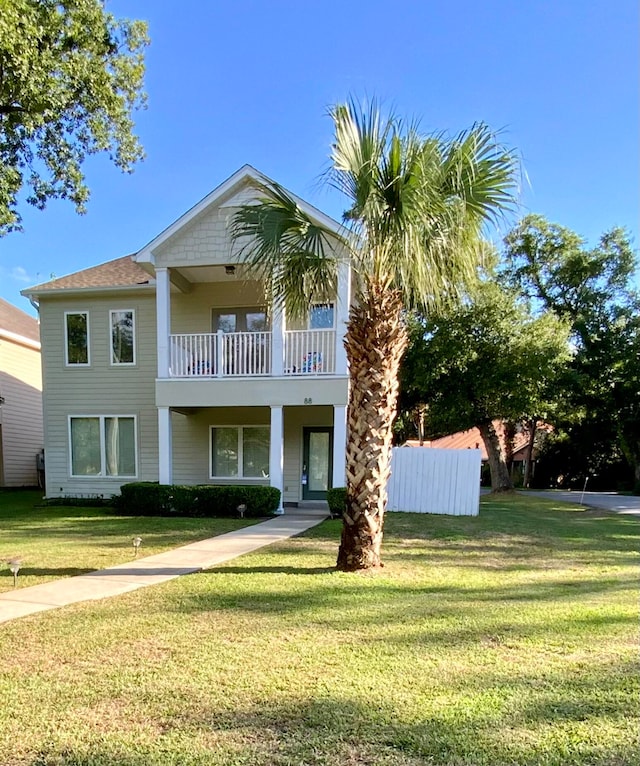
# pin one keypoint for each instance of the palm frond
(290, 252)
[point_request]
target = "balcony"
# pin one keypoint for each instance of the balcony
(251, 354)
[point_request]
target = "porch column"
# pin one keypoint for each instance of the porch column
(276, 453)
(342, 316)
(277, 336)
(339, 445)
(163, 320)
(165, 452)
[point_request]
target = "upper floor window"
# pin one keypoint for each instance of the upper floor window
(122, 336)
(322, 316)
(76, 330)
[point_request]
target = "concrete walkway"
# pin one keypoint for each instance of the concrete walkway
(139, 573)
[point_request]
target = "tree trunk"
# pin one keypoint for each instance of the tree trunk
(532, 426)
(500, 479)
(375, 342)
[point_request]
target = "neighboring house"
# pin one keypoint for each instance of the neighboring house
(168, 365)
(472, 439)
(20, 397)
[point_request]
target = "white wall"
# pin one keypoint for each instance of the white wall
(425, 480)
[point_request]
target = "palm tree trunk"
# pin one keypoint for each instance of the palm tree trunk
(500, 479)
(375, 342)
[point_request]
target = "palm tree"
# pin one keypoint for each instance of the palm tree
(412, 230)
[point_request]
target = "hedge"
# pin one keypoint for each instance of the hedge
(143, 498)
(337, 500)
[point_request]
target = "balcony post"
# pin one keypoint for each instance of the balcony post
(165, 451)
(342, 315)
(221, 362)
(276, 453)
(163, 320)
(277, 336)
(339, 445)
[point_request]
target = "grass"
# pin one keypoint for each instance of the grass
(510, 639)
(56, 541)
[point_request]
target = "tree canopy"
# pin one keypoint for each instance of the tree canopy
(595, 290)
(485, 360)
(71, 75)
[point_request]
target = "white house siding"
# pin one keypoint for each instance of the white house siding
(100, 389)
(21, 413)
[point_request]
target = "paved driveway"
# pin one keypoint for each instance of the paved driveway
(610, 501)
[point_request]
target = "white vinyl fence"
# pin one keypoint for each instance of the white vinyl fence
(426, 480)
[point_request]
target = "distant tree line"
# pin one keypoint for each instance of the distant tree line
(550, 333)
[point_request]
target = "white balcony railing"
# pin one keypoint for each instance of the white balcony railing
(248, 354)
(309, 352)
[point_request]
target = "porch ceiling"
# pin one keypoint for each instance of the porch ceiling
(202, 274)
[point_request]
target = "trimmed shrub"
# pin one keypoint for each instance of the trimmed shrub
(142, 498)
(337, 500)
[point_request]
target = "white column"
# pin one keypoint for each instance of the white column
(277, 336)
(276, 453)
(339, 445)
(342, 316)
(165, 452)
(163, 320)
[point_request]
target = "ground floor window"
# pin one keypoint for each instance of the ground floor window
(239, 452)
(103, 445)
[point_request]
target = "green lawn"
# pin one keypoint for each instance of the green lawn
(508, 639)
(55, 542)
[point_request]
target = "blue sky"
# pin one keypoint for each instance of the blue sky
(250, 82)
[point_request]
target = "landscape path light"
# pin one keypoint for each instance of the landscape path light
(14, 568)
(137, 542)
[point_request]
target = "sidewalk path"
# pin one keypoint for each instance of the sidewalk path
(152, 570)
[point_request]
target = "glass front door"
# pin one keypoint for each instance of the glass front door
(316, 462)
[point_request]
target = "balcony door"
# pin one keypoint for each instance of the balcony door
(317, 453)
(245, 349)
(252, 319)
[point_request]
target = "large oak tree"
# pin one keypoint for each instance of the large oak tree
(71, 75)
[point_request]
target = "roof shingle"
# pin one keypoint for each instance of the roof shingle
(120, 272)
(18, 322)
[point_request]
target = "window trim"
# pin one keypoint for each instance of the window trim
(240, 430)
(112, 362)
(331, 304)
(66, 340)
(103, 453)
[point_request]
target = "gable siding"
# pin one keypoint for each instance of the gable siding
(205, 239)
(21, 413)
(100, 389)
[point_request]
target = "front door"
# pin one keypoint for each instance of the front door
(317, 455)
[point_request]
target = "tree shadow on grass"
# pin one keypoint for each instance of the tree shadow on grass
(47, 572)
(325, 729)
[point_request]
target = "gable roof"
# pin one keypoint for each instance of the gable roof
(120, 272)
(127, 271)
(17, 322)
(246, 175)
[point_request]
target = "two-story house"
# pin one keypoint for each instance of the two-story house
(173, 365)
(20, 397)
